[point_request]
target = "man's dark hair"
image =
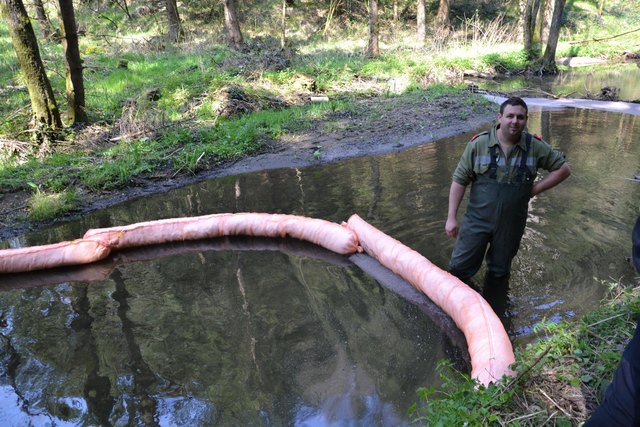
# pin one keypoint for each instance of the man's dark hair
(514, 100)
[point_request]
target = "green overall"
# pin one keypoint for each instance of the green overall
(496, 217)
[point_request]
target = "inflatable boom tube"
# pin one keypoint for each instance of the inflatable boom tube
(331, 236)
(49, 256)
(98, 243)
(489, 346)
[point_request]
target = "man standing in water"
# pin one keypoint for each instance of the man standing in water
(501, 165)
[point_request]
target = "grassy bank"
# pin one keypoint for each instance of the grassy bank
(163, 110)
(560, 378)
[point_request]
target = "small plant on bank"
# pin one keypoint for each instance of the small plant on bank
(44, 206)
(460, 401)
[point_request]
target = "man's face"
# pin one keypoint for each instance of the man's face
(513, 120)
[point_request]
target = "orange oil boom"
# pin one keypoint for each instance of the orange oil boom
(490, 350)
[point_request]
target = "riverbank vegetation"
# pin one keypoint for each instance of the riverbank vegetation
(561, 376)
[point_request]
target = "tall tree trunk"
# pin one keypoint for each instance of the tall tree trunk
(549, 57)
(232, 25)
(373, 50)
(73, 64)
(175, 33)
(442, 18)
(333, 7)
(43, 103)
(41, 15)
(421, 21)
(283, 25)
(527, 29)
(443, 23)
(545, 14)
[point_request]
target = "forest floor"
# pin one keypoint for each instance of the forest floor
(378, 125)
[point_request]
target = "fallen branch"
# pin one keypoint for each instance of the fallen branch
(555, 404)
(605, 38)
(530, 367)
(525, 416)
(606, 320)
(13, 210)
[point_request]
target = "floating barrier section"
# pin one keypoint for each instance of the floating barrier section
(489, 346)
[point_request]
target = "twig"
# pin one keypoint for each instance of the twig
(593, 334)
(13, 210)
(143, 131)
(555, 404)
(15, 113)
(606, 320)
(550, 416)
(606, 38)
(526, 371)
(551, 95)
(524, 417)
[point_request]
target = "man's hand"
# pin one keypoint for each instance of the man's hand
(452, 227)
(553, 178)
(456, 193)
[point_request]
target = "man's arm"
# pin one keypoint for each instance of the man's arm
(456, 193)
(551, 180)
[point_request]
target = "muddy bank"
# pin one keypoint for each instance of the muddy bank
(376, 126)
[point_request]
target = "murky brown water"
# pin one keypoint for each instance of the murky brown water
(257, 332)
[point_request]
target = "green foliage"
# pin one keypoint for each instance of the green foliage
(582, 20)
(44, 206)
(582, 355)
(440, 90)
(460, 401)
(116, 166)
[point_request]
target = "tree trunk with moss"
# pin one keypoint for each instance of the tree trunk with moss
(76, 111)
(175, 33)
(549, 57)
(234, 35)
(45, 111)
(545, 15)
(373, 49)
(421, 20)
(528, 24)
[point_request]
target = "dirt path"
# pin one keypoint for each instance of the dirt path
(378, 125)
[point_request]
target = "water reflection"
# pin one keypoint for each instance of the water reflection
(242, 332)
(576, 82)
(267, 337)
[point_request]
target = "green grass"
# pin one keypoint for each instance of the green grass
(45, 206)
(579, 355)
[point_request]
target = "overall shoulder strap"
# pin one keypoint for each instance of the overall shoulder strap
(522, 169)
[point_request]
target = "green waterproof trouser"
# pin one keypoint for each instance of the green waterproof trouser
(495, 217)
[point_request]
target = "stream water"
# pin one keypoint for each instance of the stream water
(263, 332)
(576, 82)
